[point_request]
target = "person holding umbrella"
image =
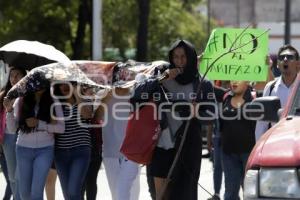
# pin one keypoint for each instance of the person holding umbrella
(10, 136)
(35, 144)
(26, 54)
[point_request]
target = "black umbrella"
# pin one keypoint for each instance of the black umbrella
(29, 54)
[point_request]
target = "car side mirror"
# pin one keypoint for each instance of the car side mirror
(279, 112)
(264, 109)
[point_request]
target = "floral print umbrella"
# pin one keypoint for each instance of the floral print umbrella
(117, 74)
(41, 77)
(97, 74)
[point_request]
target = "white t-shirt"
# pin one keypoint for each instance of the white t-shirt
(113, 131)
(280, 90)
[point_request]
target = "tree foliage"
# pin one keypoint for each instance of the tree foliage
(119, 24)
(44, 20)
(56, 22)
(170, 21)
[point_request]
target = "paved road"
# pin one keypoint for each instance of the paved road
(104, 193)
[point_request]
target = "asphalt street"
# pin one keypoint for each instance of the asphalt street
(205, 184)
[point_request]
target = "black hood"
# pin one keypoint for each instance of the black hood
(190, 72)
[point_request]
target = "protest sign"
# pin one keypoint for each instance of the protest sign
(245, 63)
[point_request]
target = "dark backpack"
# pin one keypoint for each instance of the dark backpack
(272, 87)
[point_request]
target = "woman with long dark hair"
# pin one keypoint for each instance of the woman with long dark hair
(73, 148)
(10, 136)
(36, 121)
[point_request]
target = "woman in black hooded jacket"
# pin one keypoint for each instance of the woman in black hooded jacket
(180, 86)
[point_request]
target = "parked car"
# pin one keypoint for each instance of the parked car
(273, 168)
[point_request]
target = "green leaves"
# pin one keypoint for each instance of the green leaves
(56, 22)
(45, 20)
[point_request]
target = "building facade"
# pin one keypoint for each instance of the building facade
(266, 14)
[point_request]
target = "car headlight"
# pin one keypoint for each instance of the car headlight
(251, 184)
(279, 183)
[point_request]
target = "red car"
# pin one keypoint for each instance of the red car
(273, 168)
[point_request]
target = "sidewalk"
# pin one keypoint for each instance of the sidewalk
(104, 193)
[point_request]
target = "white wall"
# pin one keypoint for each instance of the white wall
(276, 35)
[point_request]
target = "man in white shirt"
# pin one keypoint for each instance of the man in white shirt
(288, 64)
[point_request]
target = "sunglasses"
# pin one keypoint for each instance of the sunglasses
(288, 57)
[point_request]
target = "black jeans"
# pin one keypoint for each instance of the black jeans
(90, 183)
(150, 181)
(184, 181)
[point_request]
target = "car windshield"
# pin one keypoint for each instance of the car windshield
(295, 109)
